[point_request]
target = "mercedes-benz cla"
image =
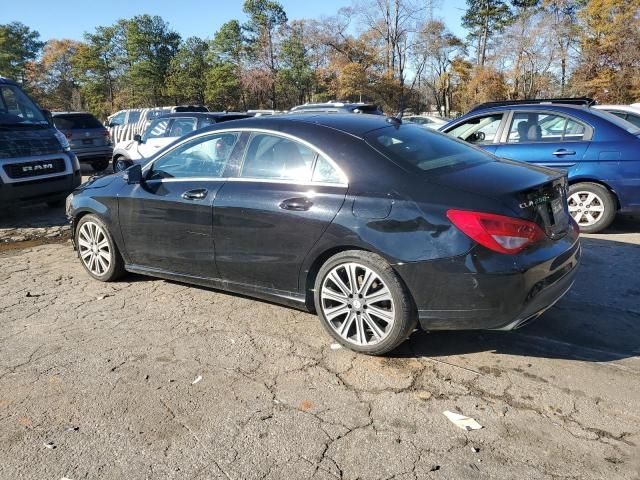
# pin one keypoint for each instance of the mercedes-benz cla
(376, 225)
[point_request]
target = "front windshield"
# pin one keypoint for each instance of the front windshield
(16, 108)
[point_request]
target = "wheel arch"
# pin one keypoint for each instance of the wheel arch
(316, 264)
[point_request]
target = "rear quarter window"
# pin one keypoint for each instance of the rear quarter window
(418, 148)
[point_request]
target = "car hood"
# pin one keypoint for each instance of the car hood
(98, 181)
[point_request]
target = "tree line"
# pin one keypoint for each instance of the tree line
(396, 53)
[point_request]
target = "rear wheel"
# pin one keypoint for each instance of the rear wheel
(97, 250)
(592, 206)
(362, 302)
(100, 165)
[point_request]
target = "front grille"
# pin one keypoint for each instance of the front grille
(34, 169)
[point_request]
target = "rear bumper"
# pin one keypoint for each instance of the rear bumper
(39, 190)
(472, 293)
(92, 154)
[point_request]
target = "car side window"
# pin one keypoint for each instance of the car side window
(325, 172)
(277, 158)
(157, 129)
(201, 157)
(133, 117)
(182, 126)
(544, 127)
(118, 119)
(481, 129)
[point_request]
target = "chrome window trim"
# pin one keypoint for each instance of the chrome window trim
(248, 180)
(148, 166)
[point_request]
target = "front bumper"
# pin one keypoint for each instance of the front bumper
(469, 292)
(39, 190)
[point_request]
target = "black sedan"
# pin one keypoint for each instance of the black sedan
(374, 224)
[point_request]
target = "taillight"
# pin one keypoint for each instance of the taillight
(68, 135)
(497, 232)
(105, 133)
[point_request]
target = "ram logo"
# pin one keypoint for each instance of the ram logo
(37, 167)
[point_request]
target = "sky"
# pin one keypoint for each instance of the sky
(71, 18)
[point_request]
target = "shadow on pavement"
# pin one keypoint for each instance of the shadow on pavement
(598, 320)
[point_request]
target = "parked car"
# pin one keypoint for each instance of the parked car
(163, 131)
(630, 113)
(374, 224)
(600, 151)
(427, 121)
(36, 163)
(126, 124)
(87, 137)
(338, 107)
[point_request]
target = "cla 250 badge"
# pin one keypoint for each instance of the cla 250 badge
(40, 166)
(535, 202)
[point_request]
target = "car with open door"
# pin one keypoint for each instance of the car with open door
(599, 151)
(374, 224)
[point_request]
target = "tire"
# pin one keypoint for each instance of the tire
(368, 332)
(598, 213)
(94, 241)
(121, 163)
(100, 165)
(56, 203)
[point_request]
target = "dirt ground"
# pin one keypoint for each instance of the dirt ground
(146, 378)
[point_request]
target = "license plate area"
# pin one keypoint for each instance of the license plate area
(87, 141)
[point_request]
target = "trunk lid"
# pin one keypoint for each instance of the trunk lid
(533, 193)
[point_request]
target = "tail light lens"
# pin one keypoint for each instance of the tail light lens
(497, 232)
(68, 135)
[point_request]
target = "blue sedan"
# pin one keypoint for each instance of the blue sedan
(600, 151)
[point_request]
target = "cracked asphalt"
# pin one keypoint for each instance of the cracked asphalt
(146, 378)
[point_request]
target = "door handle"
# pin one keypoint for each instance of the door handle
(197, 194)
(563, 151)
(297, 204)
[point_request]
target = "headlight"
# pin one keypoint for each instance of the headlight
(64, 143)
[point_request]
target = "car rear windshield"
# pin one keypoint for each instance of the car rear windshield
(620, 122)
(416, 147)
(74, 122)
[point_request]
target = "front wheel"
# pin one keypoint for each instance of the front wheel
(592, 206)
(362, 302)
(120, 164)
(97, 250)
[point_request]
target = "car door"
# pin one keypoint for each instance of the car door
(284, 195)
(480, 130)
(545, 138)
(166, 221)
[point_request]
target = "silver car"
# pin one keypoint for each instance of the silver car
(87, 137)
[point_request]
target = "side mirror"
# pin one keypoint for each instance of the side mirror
(137, 138)
(134, 175)
(48, 116)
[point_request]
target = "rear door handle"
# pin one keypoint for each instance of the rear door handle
(297, 204)
(197, 194)
(563, 151)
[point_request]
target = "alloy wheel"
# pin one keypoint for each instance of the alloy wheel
(586, 208)
(94, 248)
(357, 304)
(121, 165)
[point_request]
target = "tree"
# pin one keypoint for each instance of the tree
(295, 76)
(226, 56)
(483, 19)
(52, 77)
(18, 46)
(150, 45)
(610, 44)
(266, 17)
(435, 51)
(187, 71)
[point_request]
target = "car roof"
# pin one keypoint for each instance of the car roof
(355, 125)
(55, 114)
(205, 115)
(625, 108)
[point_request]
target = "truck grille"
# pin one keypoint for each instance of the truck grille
(34, 169)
